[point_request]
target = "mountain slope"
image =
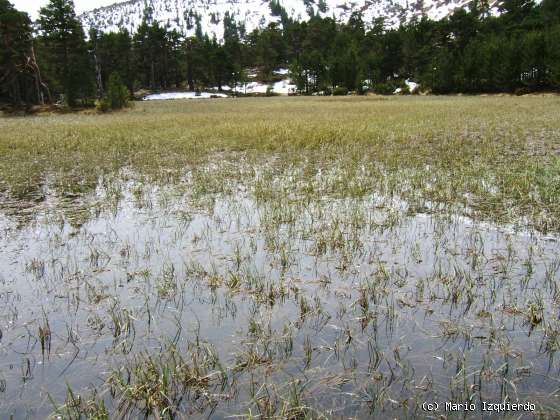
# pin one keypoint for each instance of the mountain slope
(184, 15)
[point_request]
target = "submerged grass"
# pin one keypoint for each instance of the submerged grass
(281, 258)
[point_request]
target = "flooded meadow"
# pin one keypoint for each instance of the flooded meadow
(282, 258)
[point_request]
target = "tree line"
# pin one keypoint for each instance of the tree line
(470, 51)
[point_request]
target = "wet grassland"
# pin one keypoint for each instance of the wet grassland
(281, 258)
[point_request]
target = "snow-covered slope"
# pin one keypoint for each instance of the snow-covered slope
(184, 14)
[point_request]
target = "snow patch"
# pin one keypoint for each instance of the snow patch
(412, 87)
(281, 72)
(284, 87)
(183, 95)
(225, 88)
(253, 87)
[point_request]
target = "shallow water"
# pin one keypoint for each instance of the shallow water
(351, 307)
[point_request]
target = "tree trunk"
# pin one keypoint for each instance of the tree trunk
(152, 75)
(190, 80)
(38, 81)
(98, 78)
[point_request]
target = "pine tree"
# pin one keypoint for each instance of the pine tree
(64, 51)
(114, 55)
(232, 50)
(552, 57)
(20, 78)
(151, 48)
(116, 96)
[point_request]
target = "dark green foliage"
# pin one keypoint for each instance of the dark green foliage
(469, 51)
(20, 79)
(269, 47)
(117, 95)
(552, 57)
(113, 53)
(154, 55)
(340, 91)
(386, 88)
(63, 51)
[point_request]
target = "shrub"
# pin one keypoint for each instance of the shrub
(522, 91)
(340, 91)
(116, 96)
(384, 88)
(405, 90)
(102, 105)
